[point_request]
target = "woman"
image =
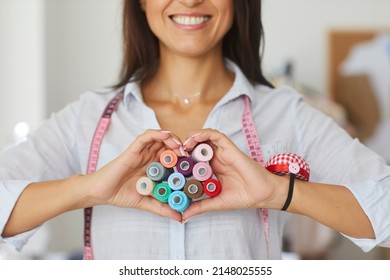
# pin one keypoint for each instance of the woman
(191, 69)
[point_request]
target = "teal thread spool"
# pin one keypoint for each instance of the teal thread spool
(157, 172)
(179, 201)
(161, 192)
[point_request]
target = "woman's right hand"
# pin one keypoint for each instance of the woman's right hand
(115, 183)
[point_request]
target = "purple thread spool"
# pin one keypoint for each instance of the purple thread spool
(184, 166)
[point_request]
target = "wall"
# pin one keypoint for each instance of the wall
(297, 31)
(83, 48)
(21, 65)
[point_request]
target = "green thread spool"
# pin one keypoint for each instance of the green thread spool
(162, 192)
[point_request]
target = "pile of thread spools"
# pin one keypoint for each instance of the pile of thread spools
(180, 180)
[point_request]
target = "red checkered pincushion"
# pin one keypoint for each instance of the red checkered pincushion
(283, 164)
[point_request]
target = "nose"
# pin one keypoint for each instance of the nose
(191, 3)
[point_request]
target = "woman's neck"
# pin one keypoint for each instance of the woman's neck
(189, 79)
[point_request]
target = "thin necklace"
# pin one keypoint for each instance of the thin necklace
(187, 100)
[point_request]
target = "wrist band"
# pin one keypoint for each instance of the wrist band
(290, 192)
(283, 164)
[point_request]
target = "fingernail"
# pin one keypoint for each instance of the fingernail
(185, 221)
(183, 152)
(166, 131)
(176, 141)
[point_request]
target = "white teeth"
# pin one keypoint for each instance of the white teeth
(184, 20)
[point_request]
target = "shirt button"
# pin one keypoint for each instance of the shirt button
(177, 257)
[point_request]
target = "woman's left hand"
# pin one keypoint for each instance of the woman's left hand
(245, 184)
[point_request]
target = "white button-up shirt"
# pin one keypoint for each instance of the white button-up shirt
(284, 122)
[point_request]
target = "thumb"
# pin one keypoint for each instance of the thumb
(202, 206)
(162, 209)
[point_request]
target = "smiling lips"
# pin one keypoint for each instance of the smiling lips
(190, 20)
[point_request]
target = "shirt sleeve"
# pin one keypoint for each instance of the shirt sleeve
(48, 154)
(335, 158)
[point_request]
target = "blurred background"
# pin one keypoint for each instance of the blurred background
(332, 51)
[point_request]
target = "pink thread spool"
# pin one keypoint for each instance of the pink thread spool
(202, 153)
(202, 171)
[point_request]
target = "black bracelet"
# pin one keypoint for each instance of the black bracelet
(290, 192)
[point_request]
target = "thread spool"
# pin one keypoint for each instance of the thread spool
(157, 172)
(168, 158)
(184, 166)
(193, 189)
(212, 187)
(176, 181)
(162, 192)
(145, 186)
(202, 171)
(202, 153)
(179, 201)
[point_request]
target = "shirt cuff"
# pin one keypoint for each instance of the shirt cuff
(374, 198)
(9, 194)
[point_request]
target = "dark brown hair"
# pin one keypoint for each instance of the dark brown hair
(241, 44)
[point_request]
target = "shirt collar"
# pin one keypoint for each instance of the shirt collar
(132, 89)
(241, 86)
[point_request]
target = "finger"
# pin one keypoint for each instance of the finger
(189, 144)
(148, 137)
(174, 143)
(191, 141)
(207, 135)
(153, 205)
(156, 149)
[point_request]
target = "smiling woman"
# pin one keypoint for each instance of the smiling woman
(92, 153)
(190, 29)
